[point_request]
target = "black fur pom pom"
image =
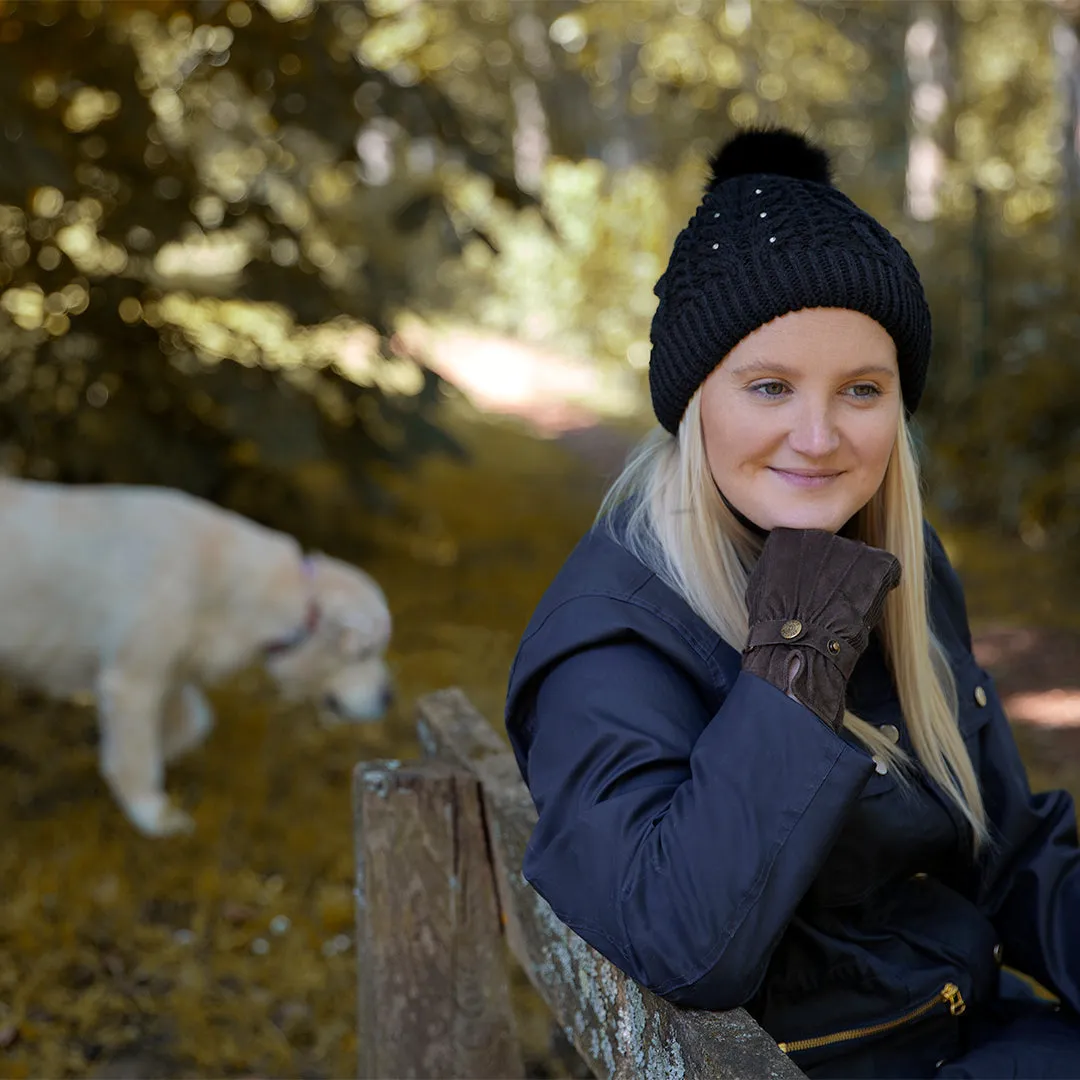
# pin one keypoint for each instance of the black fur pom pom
(777, 151)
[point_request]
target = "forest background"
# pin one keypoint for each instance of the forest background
(230, 232)
(287, 254)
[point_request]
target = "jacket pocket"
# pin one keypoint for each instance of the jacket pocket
(947, 1001)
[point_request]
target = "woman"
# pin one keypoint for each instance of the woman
(768, 770)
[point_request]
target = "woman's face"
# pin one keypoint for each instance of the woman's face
(800, 418)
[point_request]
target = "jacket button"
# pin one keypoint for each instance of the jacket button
(980, 696)
(791, 629)
(834, 646)
(999, 952)
(891, 732)
(880, 765)
(920, 876)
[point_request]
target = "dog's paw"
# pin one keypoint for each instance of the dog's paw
(157, 815)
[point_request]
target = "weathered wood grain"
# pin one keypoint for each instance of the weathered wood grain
(433, 989)
(618, 1027)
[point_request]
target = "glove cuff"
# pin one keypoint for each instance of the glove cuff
(840, 653)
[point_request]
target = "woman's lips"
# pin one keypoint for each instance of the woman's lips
(806, 479)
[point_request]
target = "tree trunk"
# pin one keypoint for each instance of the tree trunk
(1067, 59)
(927, 60)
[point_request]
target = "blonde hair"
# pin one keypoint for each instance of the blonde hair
(679, 526)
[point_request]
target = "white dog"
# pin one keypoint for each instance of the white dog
(142, 595)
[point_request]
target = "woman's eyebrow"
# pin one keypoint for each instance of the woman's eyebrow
(774, 367)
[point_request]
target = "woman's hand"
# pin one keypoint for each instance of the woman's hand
(813, 599)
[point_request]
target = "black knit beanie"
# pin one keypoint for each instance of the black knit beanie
(772, 235)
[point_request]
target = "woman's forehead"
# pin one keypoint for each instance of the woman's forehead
(816, 339)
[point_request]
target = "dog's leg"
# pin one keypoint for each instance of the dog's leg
(132, 762)
(188, 719)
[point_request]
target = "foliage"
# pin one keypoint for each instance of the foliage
(230, 953)
(195, 275)
(213, 215)
(1003, 427)
(662, 84)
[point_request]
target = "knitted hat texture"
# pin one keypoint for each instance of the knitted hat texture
(771, 236)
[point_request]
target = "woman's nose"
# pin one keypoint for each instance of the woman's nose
(815, 433)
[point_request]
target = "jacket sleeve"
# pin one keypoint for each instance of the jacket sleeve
(676, 842)
(1030, 881)
(1031, 890)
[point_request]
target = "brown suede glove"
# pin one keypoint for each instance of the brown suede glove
(813, 599)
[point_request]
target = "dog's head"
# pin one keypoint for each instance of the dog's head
(340, 663)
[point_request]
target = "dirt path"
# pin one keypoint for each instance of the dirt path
(1037, 673)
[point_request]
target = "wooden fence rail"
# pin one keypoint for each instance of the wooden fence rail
(439, 848)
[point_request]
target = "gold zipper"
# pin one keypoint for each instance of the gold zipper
(949, 994)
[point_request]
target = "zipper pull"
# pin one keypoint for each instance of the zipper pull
(950, 994)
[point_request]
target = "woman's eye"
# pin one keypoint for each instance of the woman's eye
(864, 391)
(772, 389)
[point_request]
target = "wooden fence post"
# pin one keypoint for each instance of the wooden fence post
(620, 1029)
(433, 989)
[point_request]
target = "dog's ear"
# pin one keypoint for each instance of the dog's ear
(357, 633)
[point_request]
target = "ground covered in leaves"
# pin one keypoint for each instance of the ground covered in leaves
(230, 953)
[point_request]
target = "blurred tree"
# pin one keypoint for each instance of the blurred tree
(951, 112)
(1066, 42)
(631, 98)
(929, 47)
(215, 212)
(199, 257)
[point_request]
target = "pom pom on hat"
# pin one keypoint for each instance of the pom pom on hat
(779, 152)
(772, 235)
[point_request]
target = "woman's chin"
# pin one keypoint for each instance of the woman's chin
(800, 510)
(828, 522)
(824, 526)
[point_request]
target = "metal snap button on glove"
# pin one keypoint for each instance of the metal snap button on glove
(812, 600)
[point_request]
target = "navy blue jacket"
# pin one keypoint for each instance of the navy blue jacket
(724, 847)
